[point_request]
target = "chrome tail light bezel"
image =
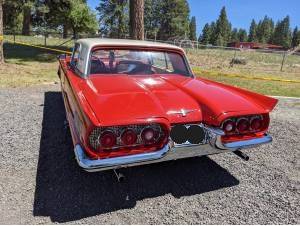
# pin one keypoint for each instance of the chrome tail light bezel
(95, 135)
(249, 118)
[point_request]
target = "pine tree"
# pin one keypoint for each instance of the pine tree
(282, 34)
(28, 6)
(296, 37)
(12, 15)
(113, 17)
(205, 38)
(252, 32)
(193, 33)
(242, 35)
(265, 29)
(152, 17)
(174, 19)
(212, 33)
(223, 29)
(234, 36)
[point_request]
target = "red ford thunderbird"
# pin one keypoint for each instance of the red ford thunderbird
(135, 102)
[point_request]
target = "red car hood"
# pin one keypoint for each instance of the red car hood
(122, 99)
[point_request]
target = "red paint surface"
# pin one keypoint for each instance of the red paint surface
(108, 100)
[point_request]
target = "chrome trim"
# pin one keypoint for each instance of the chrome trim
(168, 152)
(110, 163)
(244, 143)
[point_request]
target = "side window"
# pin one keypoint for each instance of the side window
(77, 59)
(75, 55)
(162, 61)
(80, 61)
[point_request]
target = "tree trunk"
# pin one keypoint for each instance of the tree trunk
(65, 31)
(26, 21)
(74, 33)
(1, 33)
(137, 19)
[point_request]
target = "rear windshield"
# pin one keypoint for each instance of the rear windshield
(137, 62)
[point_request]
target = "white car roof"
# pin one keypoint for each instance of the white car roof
(92, 42)
(86, 45)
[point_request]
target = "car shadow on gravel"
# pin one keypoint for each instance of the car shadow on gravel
(65, 193)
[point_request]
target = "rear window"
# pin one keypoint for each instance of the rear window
(137, 62)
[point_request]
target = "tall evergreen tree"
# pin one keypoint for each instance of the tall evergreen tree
(57, 14)
(193, 33)
(296, 37)
(174, 19)
(282, 34)
(12, 10)
(12, 15)
(223, 29)
(265, 29)
(234, 35)
(28, 6)
(113, 17)
(205, 38)
(242, 35)
(252, 32)
(213, 28)
(152, 18)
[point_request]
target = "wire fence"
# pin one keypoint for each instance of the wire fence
(206, 57)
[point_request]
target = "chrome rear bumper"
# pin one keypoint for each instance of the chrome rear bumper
(168, 152)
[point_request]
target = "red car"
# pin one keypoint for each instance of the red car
(135, 102)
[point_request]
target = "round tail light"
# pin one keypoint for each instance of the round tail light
(229, 126)
(129, 137)
(148, 135)
(243, 125)
(108, 139)
(256, 123)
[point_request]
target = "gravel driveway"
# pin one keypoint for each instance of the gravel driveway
(40, 181)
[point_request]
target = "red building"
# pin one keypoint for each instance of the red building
(254, 45)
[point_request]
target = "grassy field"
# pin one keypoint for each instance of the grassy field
(257, 63)
(29, 66)
(260, 86)
(39, 40)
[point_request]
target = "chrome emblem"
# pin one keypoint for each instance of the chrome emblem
(183, 112)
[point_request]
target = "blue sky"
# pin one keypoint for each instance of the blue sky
(240, 12)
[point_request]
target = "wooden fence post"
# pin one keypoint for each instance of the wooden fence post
(282, 62)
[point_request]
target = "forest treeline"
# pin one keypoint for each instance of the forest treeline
(163, 20)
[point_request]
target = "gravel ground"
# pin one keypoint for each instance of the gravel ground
(41, 183)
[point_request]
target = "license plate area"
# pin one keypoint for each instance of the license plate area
(189, 135)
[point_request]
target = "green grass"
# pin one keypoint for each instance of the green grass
(260, 86)
(39, 40)
(29, 66)
(257, 63)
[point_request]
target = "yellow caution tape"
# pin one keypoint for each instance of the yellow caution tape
(1, 37)
(36, 46)
(252, 77)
